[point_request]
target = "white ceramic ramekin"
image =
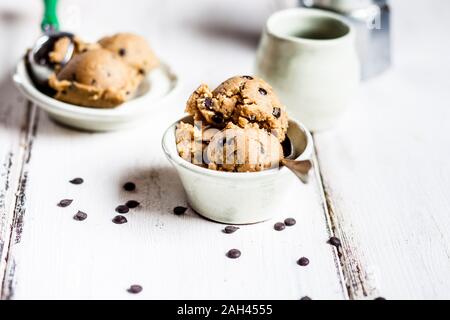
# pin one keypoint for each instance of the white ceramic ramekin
(236, 197)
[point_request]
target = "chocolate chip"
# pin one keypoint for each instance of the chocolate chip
(230, 229)
(93, 82)
(76, 181)
(290, 222)
(84, 50)
(65, 203)
(305, 298)
(379, 298)
(334, 242)
(279, 226)
(217, 118)
(127, 92)
(276, 112)
(233, 254)
(141, 71)
(80, 216)
(179, 210)
(64, 92)
(248, 77)
(303, 261)
(132, 204)
(119, 220)
(129, 186)
(262, 91)
(122, 209)
(122, 52)
(135, 288)
(208, 103)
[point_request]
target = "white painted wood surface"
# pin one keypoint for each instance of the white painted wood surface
(385, 169)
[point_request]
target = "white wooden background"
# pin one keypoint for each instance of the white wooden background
(382, 188)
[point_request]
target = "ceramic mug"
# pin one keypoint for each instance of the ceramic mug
(309, 57)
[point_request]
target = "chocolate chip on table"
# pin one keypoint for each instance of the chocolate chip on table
(217, 118)
(290, 222)
(262, 91)
(230, 229)
(76, 181)
(208, 103)
(334, 242)
(276, 112)
(119, 220)
(122, 52)
(135, 288)
(305, 298)
(132, 204)
(248, 77)
(179, 210)
(122, 209)
(233, 254)
(279, 226)
(65, 203)
(129, 186)
(80, 216)
(303, 261)
(379, 298)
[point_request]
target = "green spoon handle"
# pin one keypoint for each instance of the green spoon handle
(50, 19)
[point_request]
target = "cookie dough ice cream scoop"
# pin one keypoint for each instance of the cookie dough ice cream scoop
(95, 78)
(239, 149)
(243, 100)
(132, 49)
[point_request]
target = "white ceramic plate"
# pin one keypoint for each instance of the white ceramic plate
(155, 90)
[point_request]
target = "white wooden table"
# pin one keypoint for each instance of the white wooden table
(382, 182)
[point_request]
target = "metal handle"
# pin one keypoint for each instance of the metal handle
(50, 20)
(300, 168)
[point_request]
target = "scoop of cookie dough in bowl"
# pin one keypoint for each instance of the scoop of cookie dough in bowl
(237, 197)
(150, 98)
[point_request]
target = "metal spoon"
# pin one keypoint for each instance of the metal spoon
(38, 61)
(300, 168)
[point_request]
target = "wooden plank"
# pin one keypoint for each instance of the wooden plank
(15, 115)
(170, 256)
(386, 168)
